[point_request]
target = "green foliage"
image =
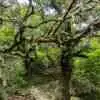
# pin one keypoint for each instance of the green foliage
(88, 69)
(12, 71)
(6, 33)
(3, 94)
(22, 28)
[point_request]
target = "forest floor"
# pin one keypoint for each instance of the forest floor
(44, 92)
(20, 98)
(35, 93)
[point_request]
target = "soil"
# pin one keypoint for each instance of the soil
(14, 97)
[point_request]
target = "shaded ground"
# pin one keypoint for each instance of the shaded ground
(14, 97)
(45, 92)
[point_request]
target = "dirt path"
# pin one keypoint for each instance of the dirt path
(28, 97)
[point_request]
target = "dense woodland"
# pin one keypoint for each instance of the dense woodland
(49, 49)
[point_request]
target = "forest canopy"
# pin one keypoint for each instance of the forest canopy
(51, 45)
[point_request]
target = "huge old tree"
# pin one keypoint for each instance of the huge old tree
(62, 24)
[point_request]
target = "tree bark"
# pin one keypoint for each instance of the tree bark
(66, 69)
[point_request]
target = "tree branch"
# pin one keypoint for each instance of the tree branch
(41, 23)
(63, 17)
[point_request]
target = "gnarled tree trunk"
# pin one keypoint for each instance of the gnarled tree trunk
(66, 68)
